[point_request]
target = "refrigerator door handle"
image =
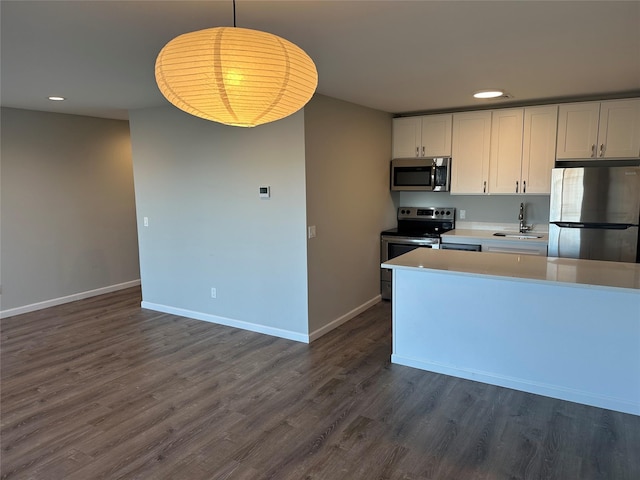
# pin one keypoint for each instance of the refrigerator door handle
(608, 226)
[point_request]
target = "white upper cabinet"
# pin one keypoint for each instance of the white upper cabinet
(470, 152)
(619, 131)
(539, 148)
(426, 136)
(578, 130)
(513, 150)
(599, 130)
(436, 135)
(523, 146)
(506, 151)
(406, 137)
(505, 166)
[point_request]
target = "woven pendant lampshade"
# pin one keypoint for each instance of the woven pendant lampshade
(235, 76)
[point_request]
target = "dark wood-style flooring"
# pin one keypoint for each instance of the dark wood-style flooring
(102, 389)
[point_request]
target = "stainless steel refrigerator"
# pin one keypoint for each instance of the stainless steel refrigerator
(594, 213)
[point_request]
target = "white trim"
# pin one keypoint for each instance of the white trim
(67, 299)
(255, 327)
(344, 318)
(229, 322)
(547, 390)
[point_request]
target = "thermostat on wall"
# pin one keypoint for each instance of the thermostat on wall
(265, 192)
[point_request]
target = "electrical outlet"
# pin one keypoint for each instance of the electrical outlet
(214, 292)
(311, 231)
(145, 221)
(463, 214)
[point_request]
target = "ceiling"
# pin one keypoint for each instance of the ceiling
(395, 56)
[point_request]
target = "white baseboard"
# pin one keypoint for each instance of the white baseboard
(547, 390)
(229, 322)
(344, 318)
(255, 327)
(67, 299)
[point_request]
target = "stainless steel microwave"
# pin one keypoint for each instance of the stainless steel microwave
(421, 174)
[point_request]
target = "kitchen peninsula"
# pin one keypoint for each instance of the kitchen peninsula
(563, 328)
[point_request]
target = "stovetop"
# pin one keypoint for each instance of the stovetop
(427, 222)
(394, 232)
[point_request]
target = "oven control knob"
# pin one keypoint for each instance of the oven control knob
(448, 212)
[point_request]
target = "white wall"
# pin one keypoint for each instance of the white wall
(68, 213)
(348, 148)
(197, 182)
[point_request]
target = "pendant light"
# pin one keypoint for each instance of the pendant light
(235, 76)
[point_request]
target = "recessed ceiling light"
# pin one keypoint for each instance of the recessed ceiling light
(56, 99)
(493, 93)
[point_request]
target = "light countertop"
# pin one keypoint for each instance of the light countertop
(477, 235)
(578, 272)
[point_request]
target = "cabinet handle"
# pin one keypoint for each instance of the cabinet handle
(484, 189)
(601, 149)
(593, 150)
(524, 186)
(423, 150)
(417, 151)
(516, 186)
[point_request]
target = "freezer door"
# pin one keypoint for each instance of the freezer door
(615, 245)
(595, 195)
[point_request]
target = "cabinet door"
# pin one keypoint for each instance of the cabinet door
(619, 131)
(578, 130)
(436, 135)
(470, 152)
(506, 151)
(539, 148)
(406, 137)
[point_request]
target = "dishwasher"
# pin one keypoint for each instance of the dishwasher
(460, 246)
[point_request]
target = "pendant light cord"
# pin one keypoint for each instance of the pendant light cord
(234, 13)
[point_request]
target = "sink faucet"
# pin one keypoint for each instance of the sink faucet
(523, 228)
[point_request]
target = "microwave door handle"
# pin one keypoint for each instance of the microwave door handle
(433, 176)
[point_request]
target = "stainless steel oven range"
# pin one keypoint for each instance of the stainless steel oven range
(418, 227)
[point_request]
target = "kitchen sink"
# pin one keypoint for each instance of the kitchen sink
(516, 235)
